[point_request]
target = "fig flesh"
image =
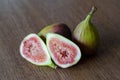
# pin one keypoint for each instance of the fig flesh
(64, 52)
(59, 28)
(86, 35)
(34, 50)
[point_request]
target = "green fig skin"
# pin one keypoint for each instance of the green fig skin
(86, 35)
(59, 28)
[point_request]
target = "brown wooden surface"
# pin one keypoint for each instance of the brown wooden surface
(18, 18)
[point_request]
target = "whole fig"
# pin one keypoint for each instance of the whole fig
(59, 28)
(86, 35)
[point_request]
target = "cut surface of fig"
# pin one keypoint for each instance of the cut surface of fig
(34, 50)
(63, 51)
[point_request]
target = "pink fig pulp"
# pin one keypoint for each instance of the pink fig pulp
(34, 50)
(63, 51)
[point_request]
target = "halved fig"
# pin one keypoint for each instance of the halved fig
(34, 50)
(64, 52)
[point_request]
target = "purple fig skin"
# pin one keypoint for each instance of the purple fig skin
(58, 28)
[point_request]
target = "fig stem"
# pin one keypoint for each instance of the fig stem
(93, 10)
(52, 65)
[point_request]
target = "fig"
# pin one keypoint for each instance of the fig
(86, 35)
(59, 28)
(34, 50)
(63, 51)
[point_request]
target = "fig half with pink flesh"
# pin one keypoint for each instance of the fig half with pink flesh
(34, 50)
(64, 52)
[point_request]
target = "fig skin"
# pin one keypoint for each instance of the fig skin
(58, 28)
(86, 35)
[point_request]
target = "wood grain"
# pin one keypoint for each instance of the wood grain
(18, 18)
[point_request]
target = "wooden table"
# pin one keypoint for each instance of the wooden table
(18, 18)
